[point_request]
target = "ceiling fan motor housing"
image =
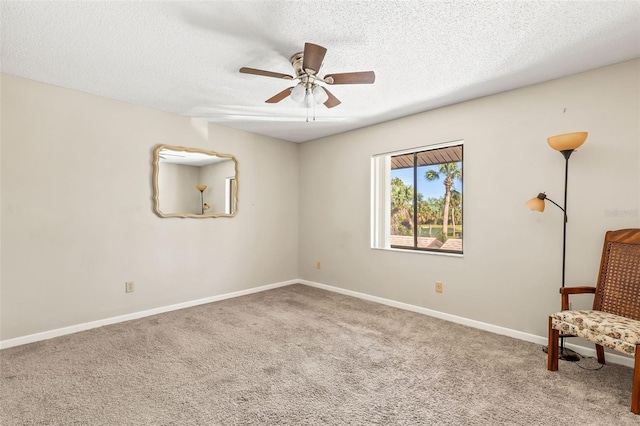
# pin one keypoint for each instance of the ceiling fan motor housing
(296, 62)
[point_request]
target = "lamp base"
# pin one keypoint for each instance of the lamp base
(565, 354)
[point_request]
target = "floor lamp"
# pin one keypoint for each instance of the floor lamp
(566, 144)
(202, 188)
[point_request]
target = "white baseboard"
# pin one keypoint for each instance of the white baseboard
(591, 352)
(31, 338)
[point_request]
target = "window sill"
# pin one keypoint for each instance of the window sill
(460, 255)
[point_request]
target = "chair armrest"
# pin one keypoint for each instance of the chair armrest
(577, 290)
(566, 291)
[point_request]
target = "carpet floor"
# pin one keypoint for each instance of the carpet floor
(298, 355)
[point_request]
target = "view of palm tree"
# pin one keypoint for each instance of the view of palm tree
(433, 214)
(402, 222)
(449, 172)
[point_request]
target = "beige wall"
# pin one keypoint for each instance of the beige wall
(510, 273)
(177, 186)
(78, 221)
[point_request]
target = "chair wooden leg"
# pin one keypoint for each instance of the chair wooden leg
(635, 395)
(600, 353)
(552, 348)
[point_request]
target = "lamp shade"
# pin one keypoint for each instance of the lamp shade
(537, 203)
(567, 141)
(297, 93)
(201, 187)
(320, 95)
(309, 99)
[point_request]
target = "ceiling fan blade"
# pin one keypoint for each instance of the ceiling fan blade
(312, 59)
(280, 96)
(362, 77)
(264, 73)
(332, 101)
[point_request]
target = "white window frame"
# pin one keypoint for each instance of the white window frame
(229, 198)
(381, 199)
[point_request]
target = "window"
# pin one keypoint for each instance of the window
(230, 195)
(417, 199)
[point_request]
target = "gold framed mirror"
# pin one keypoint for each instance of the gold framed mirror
(191, 182)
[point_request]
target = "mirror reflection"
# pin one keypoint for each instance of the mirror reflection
(190, 182)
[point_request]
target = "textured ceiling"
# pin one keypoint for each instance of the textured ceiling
(184, 57)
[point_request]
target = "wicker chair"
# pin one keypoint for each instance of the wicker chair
(614, 321)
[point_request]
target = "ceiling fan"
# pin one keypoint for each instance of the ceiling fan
(306, 66)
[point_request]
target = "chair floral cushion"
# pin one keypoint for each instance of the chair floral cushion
(613, 331)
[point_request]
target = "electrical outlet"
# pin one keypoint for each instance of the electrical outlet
(128, 287)
(438, 286)
(318, 264)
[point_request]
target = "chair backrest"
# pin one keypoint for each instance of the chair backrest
(618, 287)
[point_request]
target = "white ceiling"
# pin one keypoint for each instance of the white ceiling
(184, 57)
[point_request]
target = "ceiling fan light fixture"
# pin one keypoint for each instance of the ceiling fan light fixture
(298, 93)
(309, 99)
(320, 95)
